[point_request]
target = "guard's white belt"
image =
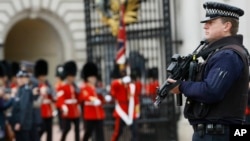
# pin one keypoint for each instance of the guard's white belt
(46, 101)
(88, 103)
(70, 101)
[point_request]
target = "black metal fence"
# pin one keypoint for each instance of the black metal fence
(148, 46)
(154, 124)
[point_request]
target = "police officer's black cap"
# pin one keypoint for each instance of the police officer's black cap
(22, 73)
(215, 10)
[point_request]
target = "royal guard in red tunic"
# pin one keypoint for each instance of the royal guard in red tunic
(152, 83)
(136, 80)
(93, 114)
(46, 96)
(13, 83)
(123, 92)
(58, 84)
(13, 87)
(68, 101)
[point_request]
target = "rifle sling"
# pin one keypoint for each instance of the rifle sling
(207, 51)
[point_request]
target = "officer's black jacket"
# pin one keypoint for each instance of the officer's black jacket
(22, 108)
(223, 86)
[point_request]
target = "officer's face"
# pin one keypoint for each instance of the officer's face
(25, 80)
(19, 81)
(216, 29)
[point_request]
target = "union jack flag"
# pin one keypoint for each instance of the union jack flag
(121, 46)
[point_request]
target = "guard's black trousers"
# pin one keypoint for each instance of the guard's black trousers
(46, 127)
(118, 130)
(59, 115)
(23, 135)
(91, 126)
(66, 128)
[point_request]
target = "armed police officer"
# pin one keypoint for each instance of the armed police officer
(22, 113)
(218, 95)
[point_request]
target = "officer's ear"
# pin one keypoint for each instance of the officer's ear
(227, 26)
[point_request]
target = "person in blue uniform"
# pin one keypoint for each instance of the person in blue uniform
(218, 97)
(22, 113)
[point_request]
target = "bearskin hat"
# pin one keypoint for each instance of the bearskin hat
(59, 71)
(116, 72)
(152, 73)
(41, 68)
(6, 68)
(155, 72)
(135, 72)
(70, 68)
(15, 67)
(89, 69)
(2, 70)
(149, 73)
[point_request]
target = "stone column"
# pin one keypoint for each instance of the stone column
(189, 28)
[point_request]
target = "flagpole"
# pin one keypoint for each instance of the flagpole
(121, 40)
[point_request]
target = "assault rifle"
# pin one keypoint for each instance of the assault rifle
(181, 68)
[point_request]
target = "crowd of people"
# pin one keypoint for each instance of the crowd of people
(29, 102)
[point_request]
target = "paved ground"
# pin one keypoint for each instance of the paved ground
(184, 132)
(57, 134)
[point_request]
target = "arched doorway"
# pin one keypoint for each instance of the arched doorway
(32, 39)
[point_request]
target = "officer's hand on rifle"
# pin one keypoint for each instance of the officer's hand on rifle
(176, 89)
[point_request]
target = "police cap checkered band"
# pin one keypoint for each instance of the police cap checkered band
(22, 73)
(215, 10)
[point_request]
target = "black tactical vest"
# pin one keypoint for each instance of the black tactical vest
(235, 101)
(232, 107)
